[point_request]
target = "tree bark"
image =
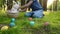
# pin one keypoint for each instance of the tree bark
(55, 5)
(22, 2)
(41, 3)
(45, 5)
(9, 4)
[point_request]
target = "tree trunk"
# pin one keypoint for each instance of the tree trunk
(9, 4)
(55, 5)
(15, 0)
(22, 2)
(4, 2)
(40, 1)
(45, 5)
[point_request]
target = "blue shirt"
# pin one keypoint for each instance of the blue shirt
(35, 5)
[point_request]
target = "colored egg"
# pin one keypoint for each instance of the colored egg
(4, 28)
(32, 23)
(30, 18)
(13, 19)
(46, 23)
(12, 24)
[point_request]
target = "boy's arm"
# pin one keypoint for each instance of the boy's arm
(23, 10)
(27, 5)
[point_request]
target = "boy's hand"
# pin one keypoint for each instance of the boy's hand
(27, 5)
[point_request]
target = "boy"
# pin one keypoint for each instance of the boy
(37, 10)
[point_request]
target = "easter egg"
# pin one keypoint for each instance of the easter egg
(12, 24)
(30, 18)
(13, 19)
(4, 28)
(32, 23)
(46, 13)
(46, 24)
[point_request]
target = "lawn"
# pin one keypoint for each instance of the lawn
(22, 24)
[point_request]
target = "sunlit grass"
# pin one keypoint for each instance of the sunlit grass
(22, 22)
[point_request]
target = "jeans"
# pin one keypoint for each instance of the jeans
(35, 14)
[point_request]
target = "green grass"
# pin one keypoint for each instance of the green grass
(22, 22)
